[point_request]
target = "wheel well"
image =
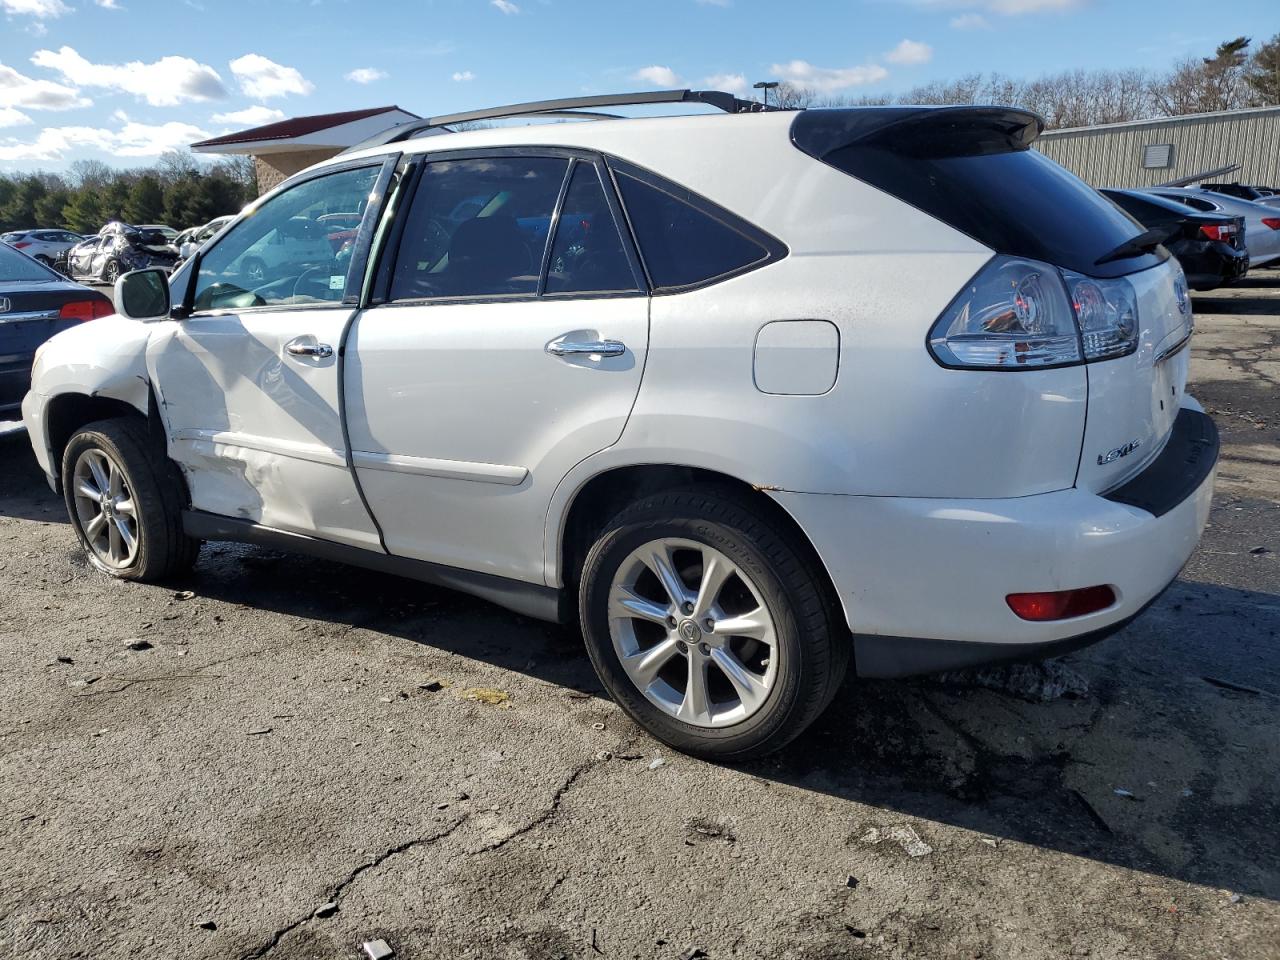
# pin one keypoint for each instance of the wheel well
(69, 412)
(607, 494)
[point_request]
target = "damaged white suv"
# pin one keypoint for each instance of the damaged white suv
(749, 397)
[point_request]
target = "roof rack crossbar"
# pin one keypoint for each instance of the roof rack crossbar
(562, 108)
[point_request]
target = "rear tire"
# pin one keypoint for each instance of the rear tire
(134, 532)
(746, 659)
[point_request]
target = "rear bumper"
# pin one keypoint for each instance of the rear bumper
(1213, 265)
(923, 582)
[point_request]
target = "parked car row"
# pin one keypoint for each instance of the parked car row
(1216, 233)
(117, 248)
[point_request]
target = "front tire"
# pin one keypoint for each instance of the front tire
(110, 272)
(712, 628)
(125, 500)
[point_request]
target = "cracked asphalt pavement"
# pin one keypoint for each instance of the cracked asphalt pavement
(281, 757)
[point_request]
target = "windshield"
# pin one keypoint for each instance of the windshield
(18, 266)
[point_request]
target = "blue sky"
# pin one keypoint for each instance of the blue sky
(122, 80)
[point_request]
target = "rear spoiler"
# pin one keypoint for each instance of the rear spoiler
(917, 131)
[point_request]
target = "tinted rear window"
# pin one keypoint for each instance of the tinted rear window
(1008, 197)
(684, 239)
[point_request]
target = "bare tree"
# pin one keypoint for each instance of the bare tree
(1263, 73)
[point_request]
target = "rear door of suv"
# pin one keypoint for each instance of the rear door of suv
(504, 343)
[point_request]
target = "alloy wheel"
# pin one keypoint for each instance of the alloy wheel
(111, 273)
(105, 509)
(693, 633)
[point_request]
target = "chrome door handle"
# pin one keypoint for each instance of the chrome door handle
(578, 348)
(303, 348)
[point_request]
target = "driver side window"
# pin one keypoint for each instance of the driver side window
(294, 249)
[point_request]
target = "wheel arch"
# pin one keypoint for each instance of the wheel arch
(601, 496)
(67, 412)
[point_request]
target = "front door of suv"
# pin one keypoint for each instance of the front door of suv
(505, 345)
(249, 382)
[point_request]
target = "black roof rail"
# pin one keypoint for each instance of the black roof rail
(564, 108)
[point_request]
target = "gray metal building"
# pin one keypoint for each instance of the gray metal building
(1143, 153)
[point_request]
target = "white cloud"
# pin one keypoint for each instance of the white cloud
(151, 140)
(826, 79)
(109, 4)
(262, 79)
(9, 117)
(365, 75)
(1015, 7)
(909, 53)
(131, 140)
(1007, 8)
(250, 116)
(167, 82)
(663, 77)
(19, 90)
(506, 6)
(970, 21)
(728, 82)
(463, 76)
(35, 8)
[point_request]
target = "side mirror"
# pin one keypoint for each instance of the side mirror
(143, 295)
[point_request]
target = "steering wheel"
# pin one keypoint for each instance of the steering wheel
(307, 277)
(227, 296)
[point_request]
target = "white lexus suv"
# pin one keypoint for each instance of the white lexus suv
(749, 397)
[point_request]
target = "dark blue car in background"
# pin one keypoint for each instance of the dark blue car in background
(35, 303)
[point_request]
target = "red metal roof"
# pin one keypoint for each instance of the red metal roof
(296, 127)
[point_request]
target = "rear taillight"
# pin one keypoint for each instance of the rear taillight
(1060, 604)
(1020, 314)
(1272, 222)
(22, 244)
(1107, 312)
(86, 310)
(1219, 231)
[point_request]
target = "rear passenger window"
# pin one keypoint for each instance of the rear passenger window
(682, 241)
(478, 228)
(588, 255)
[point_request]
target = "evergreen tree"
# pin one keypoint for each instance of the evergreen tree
(84, 213)
(20, 210)
(146, 201)
(49, 207)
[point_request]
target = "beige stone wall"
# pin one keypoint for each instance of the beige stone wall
(277, 167)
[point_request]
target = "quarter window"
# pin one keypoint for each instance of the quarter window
(588, 255)
(478, 228)
(681, 241)
(294, 249)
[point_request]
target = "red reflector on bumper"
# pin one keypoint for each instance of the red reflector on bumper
(1060, 604)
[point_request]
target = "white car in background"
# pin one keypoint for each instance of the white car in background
(296, 242)
(47, 246)
(899, 392)
(189, 241)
